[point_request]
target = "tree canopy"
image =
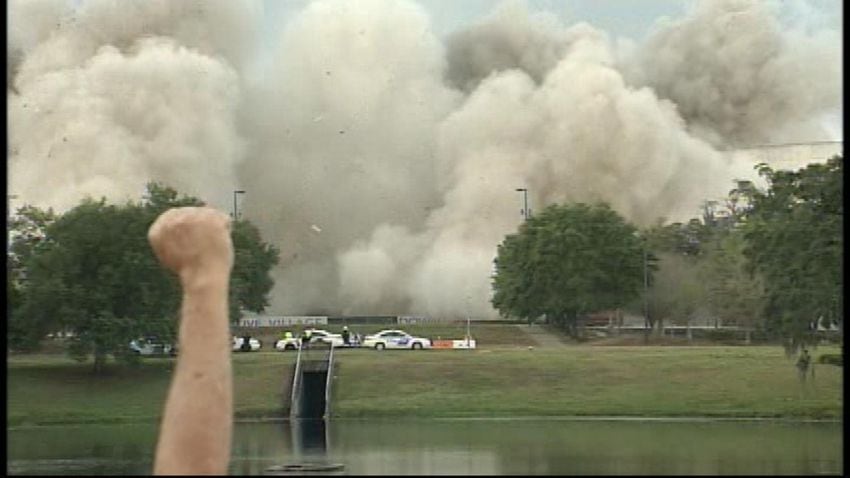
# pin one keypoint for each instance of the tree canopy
(676, 292)
(735, 294)
(794, 240)
(91, 272)
(567, 261)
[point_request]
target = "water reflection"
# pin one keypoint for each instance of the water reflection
(261, 447)
(309, 439)
(517, 447)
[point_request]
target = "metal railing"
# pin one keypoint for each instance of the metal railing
(293, 404)
(312, 353)
(328, 383)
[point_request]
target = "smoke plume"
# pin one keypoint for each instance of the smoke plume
(382, 159)
(110, 95)
(739, 77)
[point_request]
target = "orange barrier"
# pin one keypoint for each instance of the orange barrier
(441, 344)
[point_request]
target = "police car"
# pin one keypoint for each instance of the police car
(289, 343)
(151, 346)
(319, 335)
(395, 339)
(246, 344)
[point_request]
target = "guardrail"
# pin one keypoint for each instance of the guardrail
(328, 383)
(309, 356)
(293, 404)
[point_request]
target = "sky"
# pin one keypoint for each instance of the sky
(628, 18)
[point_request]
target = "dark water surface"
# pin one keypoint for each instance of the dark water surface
(506, 447)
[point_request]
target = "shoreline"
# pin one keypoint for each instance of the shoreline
(564, 418)
(578, 384)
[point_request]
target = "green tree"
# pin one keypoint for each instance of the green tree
(27, 228)
(686, 239)
(736, 295)
(96, 279)
(95, 275)
(673, 255)
(677, 291)
(568, 261)
(250, 280)
(794, 240)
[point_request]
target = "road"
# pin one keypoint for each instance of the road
(542, 336)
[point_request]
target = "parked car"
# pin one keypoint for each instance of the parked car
(151, 345)
(246, 344)
(292, 343)
(325, 336)
(395, 339)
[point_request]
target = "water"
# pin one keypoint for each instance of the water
(506, 447)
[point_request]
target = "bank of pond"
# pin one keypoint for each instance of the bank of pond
(755, 381)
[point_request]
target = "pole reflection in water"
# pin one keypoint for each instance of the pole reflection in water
(309, 450)
(309, 439)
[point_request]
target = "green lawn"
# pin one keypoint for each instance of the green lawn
(723, 381)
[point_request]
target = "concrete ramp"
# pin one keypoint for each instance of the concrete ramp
(312, 382)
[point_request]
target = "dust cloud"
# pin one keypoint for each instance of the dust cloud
(383, 159)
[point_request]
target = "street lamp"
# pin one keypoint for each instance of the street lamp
(9, 198)
(235, 210)
(645, 289)
(525, 211)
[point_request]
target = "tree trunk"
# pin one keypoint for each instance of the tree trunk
(659, 330)
(619, 322)
(99, 361)
(571, 325)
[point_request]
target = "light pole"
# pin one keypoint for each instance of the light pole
(645, 294)
(235, 210)
(9, 198)
(645, 289)
(525, 211)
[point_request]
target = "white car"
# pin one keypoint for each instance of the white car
(239, 344)
(319, 335)
(395, 339)
(292, 343)
(151, 345)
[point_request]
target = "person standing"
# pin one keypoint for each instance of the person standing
(305, 338)
(803, 364)
(346, 336)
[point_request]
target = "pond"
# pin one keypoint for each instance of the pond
(541, 446)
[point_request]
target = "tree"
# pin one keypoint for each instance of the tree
(95, 275)
(677, 291)
(26, 235)
(794, 240)
(685, 239)
(735, 295)
(568, 261)
(98, 279)
(673, 254)
(250, 281)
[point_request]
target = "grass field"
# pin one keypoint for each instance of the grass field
(651, 381)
